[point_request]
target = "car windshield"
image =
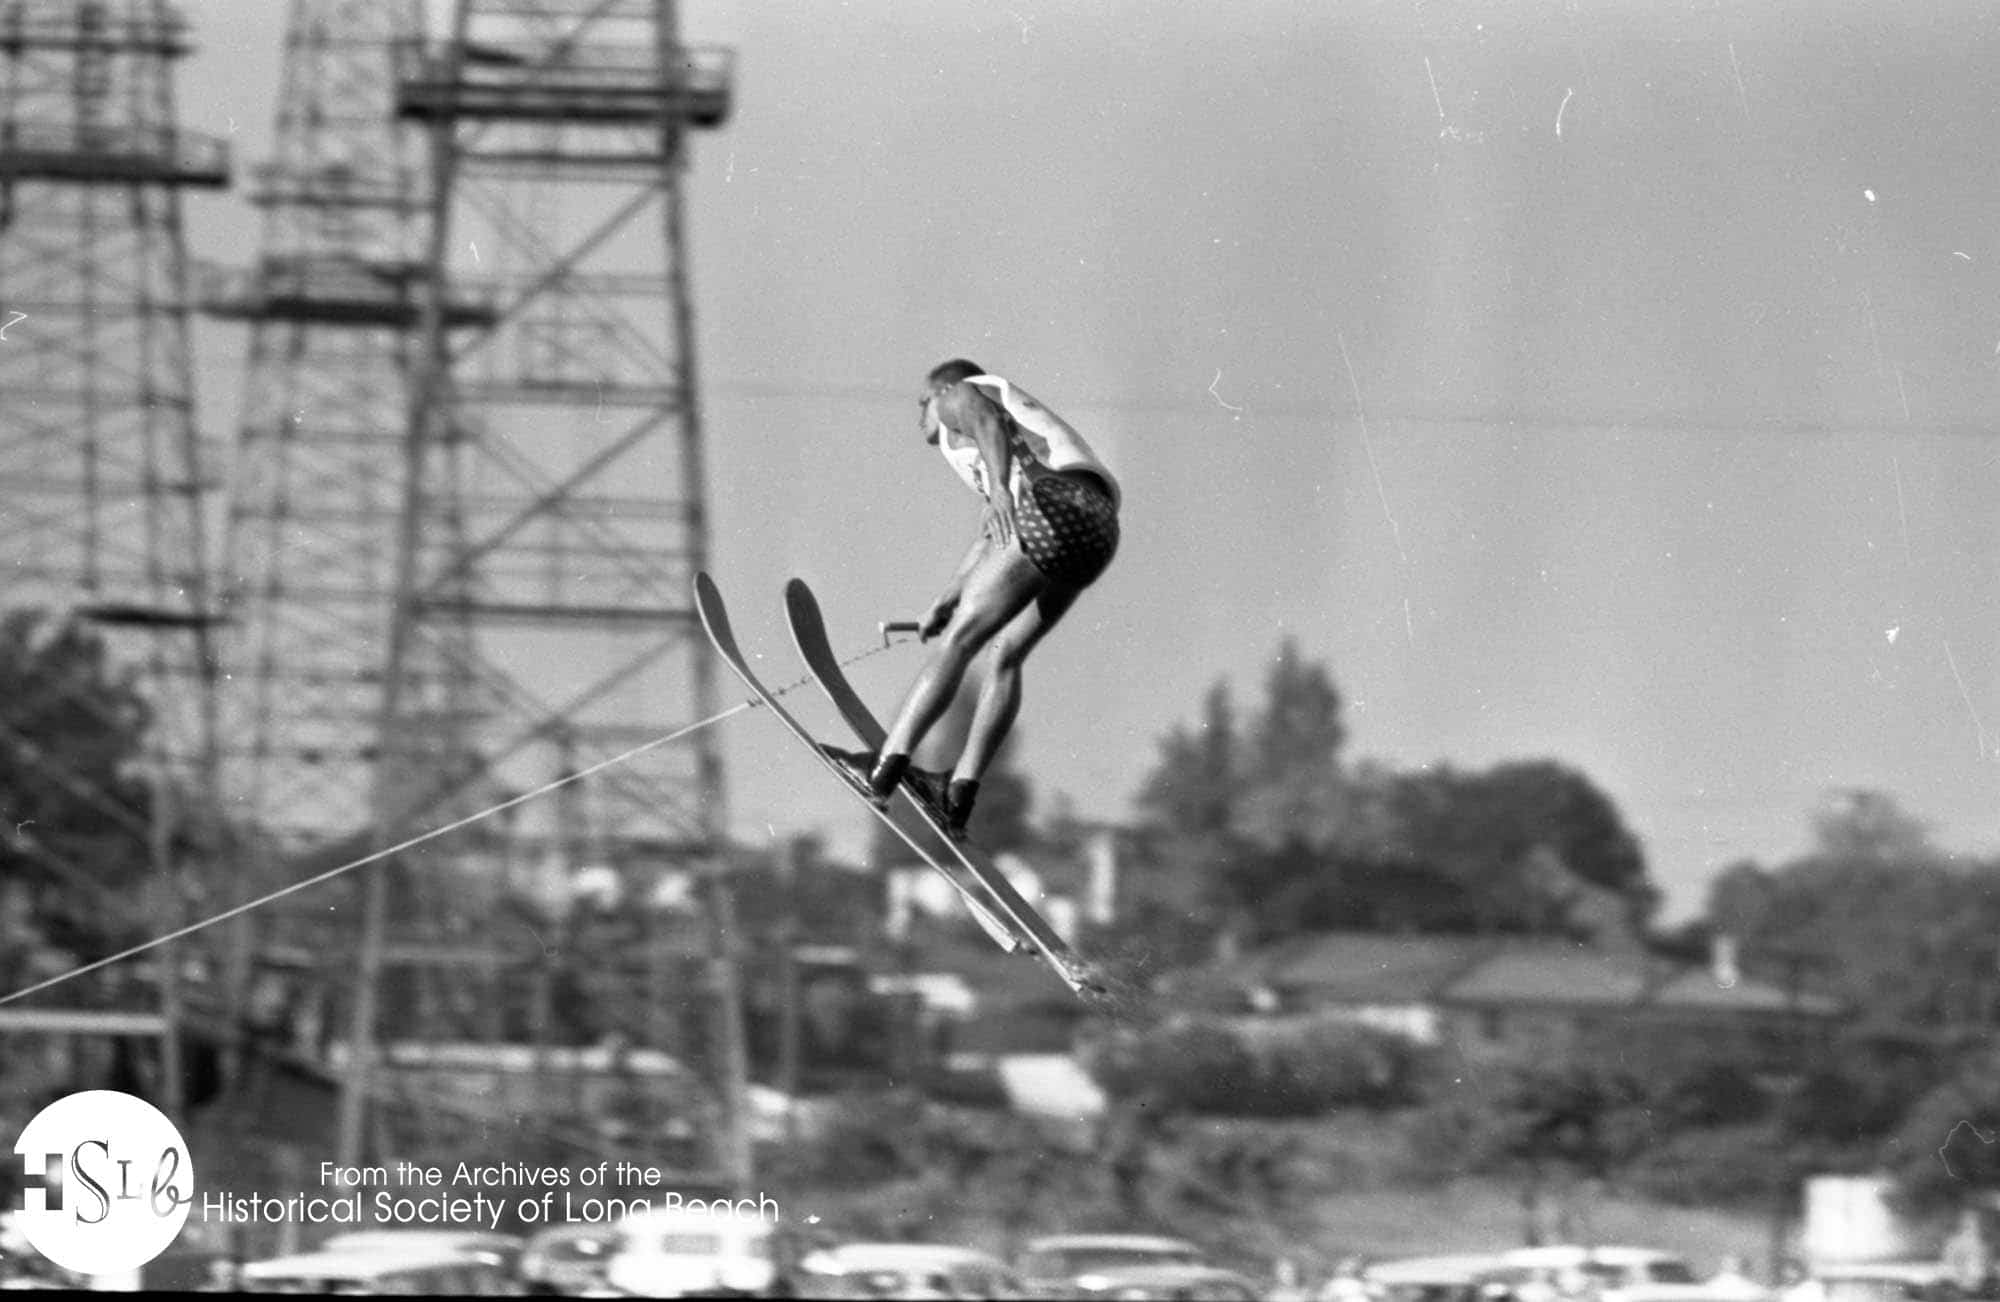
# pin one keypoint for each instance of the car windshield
(1426, 1292)
(1652, 1272)
(1070, 1262)
(692, 1245)
(1879, 1290)
(896, 1283)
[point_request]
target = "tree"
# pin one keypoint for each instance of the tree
(73, 791)
(1195, 787)
(75, 822)
(1860, 1091)
(1524, 840)
(1947, 1151)
(1188, 806)
(1860, 826)
(1738, 898)
(1899, 931)
(1554, 807)
(1286, 836)
(1384, 893)
(1253, 810)
(1546, 1122)
(1292, 756)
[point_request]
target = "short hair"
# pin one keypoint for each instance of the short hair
(951, 372)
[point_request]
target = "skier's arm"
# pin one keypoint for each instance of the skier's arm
(964, 408)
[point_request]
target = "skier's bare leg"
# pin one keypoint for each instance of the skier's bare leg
(1000, 694)
(1001, 586)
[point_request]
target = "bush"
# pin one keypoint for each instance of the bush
(1722, 1166)
(883, 1138)
(1291, 1069)
(1530, 1113)
(1865, 1084)
(1947, 1148)
(867, 1140)
(1711, 1094)
(1321, 1065)
(1191, 1066)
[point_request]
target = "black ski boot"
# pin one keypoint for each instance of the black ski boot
(958, 799)
(864, 767)
(929, 789)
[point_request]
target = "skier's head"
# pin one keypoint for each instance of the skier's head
(942, 377)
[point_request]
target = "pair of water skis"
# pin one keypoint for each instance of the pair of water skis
(1014, 924)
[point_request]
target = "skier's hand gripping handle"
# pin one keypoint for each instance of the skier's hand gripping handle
(938, 616)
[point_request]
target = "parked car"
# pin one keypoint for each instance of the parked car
(1887, 1281)
(692, 1252)
(1053, 1265)
(1464, 1277)
(421, 1272)
(501, 1250)
(1168, 1283)
(905, 1270)
(1606, 1267)
(1703, 1292)
(568, 1260)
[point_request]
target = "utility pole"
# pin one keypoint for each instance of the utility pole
(788, 990)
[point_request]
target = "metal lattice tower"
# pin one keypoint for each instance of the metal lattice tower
(103, 469)
(567, 428)
(102, 465)
(332, 309)
(561, 126)
(334, 305)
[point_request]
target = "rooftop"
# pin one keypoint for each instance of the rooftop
(1552, 973)
(1368, 969)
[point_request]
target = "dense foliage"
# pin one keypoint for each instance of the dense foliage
(1262, 826)
(73, 792)
(1280, 834)
(1304, 1067)
(1254, 824)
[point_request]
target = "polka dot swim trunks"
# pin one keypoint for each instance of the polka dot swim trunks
(1068, 526)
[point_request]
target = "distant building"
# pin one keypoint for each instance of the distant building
(996, 1029)
(1510, 994)
(1390, 982)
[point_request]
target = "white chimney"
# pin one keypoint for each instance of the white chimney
(1722, 961)
(1103, 896)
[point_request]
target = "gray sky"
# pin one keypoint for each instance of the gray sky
(1674, 329)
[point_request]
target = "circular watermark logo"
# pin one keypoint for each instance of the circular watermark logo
(107, 1182)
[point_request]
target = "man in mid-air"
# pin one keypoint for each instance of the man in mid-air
(1050, 528)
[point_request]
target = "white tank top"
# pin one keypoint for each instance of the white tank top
(1039, 434)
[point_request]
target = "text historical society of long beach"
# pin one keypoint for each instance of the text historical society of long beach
(409, 1194)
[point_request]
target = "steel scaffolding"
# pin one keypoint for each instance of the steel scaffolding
(558, 130)
(563, 428)
(331, 305)
(334, 305)
(103, 470)
(102, 464)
